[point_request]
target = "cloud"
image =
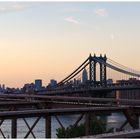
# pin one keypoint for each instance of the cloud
(12, 6)
(101, 12)
(72, 20)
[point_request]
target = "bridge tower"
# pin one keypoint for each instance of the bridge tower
(92, 69)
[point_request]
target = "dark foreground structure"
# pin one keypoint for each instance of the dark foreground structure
(15, 106)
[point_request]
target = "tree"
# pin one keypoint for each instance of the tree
(98, 126)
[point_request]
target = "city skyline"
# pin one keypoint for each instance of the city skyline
(48, 40)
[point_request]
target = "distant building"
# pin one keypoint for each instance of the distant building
(12, 90)
(109, 81)
(29, 88)
(2, 88)
(128, 94)
(84, 76)
(77, 82)
(53, 83)
(38, 84)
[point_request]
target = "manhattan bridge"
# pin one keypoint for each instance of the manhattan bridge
(99, 76)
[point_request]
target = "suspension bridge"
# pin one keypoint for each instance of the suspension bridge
(95, 73)
(104, 63)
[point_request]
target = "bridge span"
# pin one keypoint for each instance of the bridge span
(90, 89)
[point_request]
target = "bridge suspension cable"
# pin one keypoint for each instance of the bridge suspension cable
(79, 76)
(75, 72)
(119, 69)
(122, 66)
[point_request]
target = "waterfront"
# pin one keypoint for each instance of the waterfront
(115, 121)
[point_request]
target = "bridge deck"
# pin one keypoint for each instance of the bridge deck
(60, 111)
(45, 112)
(92, 89)
(68, 98)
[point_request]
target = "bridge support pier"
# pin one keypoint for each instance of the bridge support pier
(14, 128)
(48, 126)
(132, 118)
(87, 124)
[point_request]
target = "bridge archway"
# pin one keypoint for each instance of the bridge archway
(93, 62)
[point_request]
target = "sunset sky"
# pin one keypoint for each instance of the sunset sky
(48, 40)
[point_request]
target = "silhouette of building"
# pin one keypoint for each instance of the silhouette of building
(128, 94)
(76, 82)
(53, 83)
(109, 81)
(28, 88)
(2, 88)
(84, 76)
(38, 84)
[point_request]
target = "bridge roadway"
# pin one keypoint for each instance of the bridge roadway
(91, 89)
(33, 97)
(60, 111)
(25, 101)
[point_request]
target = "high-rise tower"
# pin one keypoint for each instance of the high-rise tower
(38, 84)
(84, 76)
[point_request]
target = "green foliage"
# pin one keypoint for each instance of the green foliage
(71, 131)
(98, 126)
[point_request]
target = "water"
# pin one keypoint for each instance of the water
(115, 121)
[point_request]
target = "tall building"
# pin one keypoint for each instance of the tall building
(3, 87)
(84, 76)
(38, 84)
(53, 83)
